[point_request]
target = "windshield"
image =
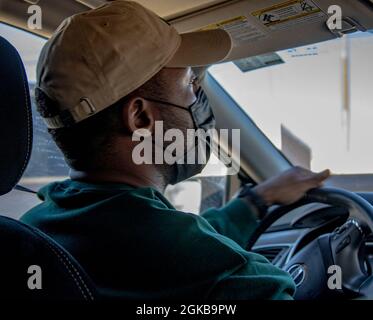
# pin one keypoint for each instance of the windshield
(315, 103)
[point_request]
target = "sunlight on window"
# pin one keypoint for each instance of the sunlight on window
(28, 46)
(318, 95)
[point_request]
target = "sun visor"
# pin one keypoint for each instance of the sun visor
(259, 27)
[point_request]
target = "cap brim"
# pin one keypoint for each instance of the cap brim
(202, 48)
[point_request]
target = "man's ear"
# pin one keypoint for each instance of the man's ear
(139, 114)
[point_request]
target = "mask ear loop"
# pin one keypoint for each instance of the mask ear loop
(188, 109)
(170, 103)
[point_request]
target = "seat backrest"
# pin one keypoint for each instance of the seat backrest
(33, 266)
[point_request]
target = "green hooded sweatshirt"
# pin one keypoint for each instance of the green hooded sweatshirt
(135, 245)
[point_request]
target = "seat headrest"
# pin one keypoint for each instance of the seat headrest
(15, 117)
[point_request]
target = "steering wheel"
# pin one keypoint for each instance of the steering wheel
(333, 265)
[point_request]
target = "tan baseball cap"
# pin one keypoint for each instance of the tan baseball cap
(97, 57)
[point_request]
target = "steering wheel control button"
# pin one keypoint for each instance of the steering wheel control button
(343, 244)
(347, 228)
(298, 273)
(357, 225)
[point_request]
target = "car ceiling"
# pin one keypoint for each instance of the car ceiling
(199, 14)
(15, 11)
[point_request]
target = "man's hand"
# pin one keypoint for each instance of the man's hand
(290, 186)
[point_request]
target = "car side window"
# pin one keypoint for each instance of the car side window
(201, 192)
(47, 163)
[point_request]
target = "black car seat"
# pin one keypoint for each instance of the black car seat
(32, 265)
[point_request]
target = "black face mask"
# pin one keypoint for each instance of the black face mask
(203, 118)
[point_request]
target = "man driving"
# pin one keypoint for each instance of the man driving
(104, 76)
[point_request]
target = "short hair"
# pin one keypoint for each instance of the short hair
(88, 145)
(85, 145)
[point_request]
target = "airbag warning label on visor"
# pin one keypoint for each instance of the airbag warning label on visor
(287, 14)
(239, 29)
